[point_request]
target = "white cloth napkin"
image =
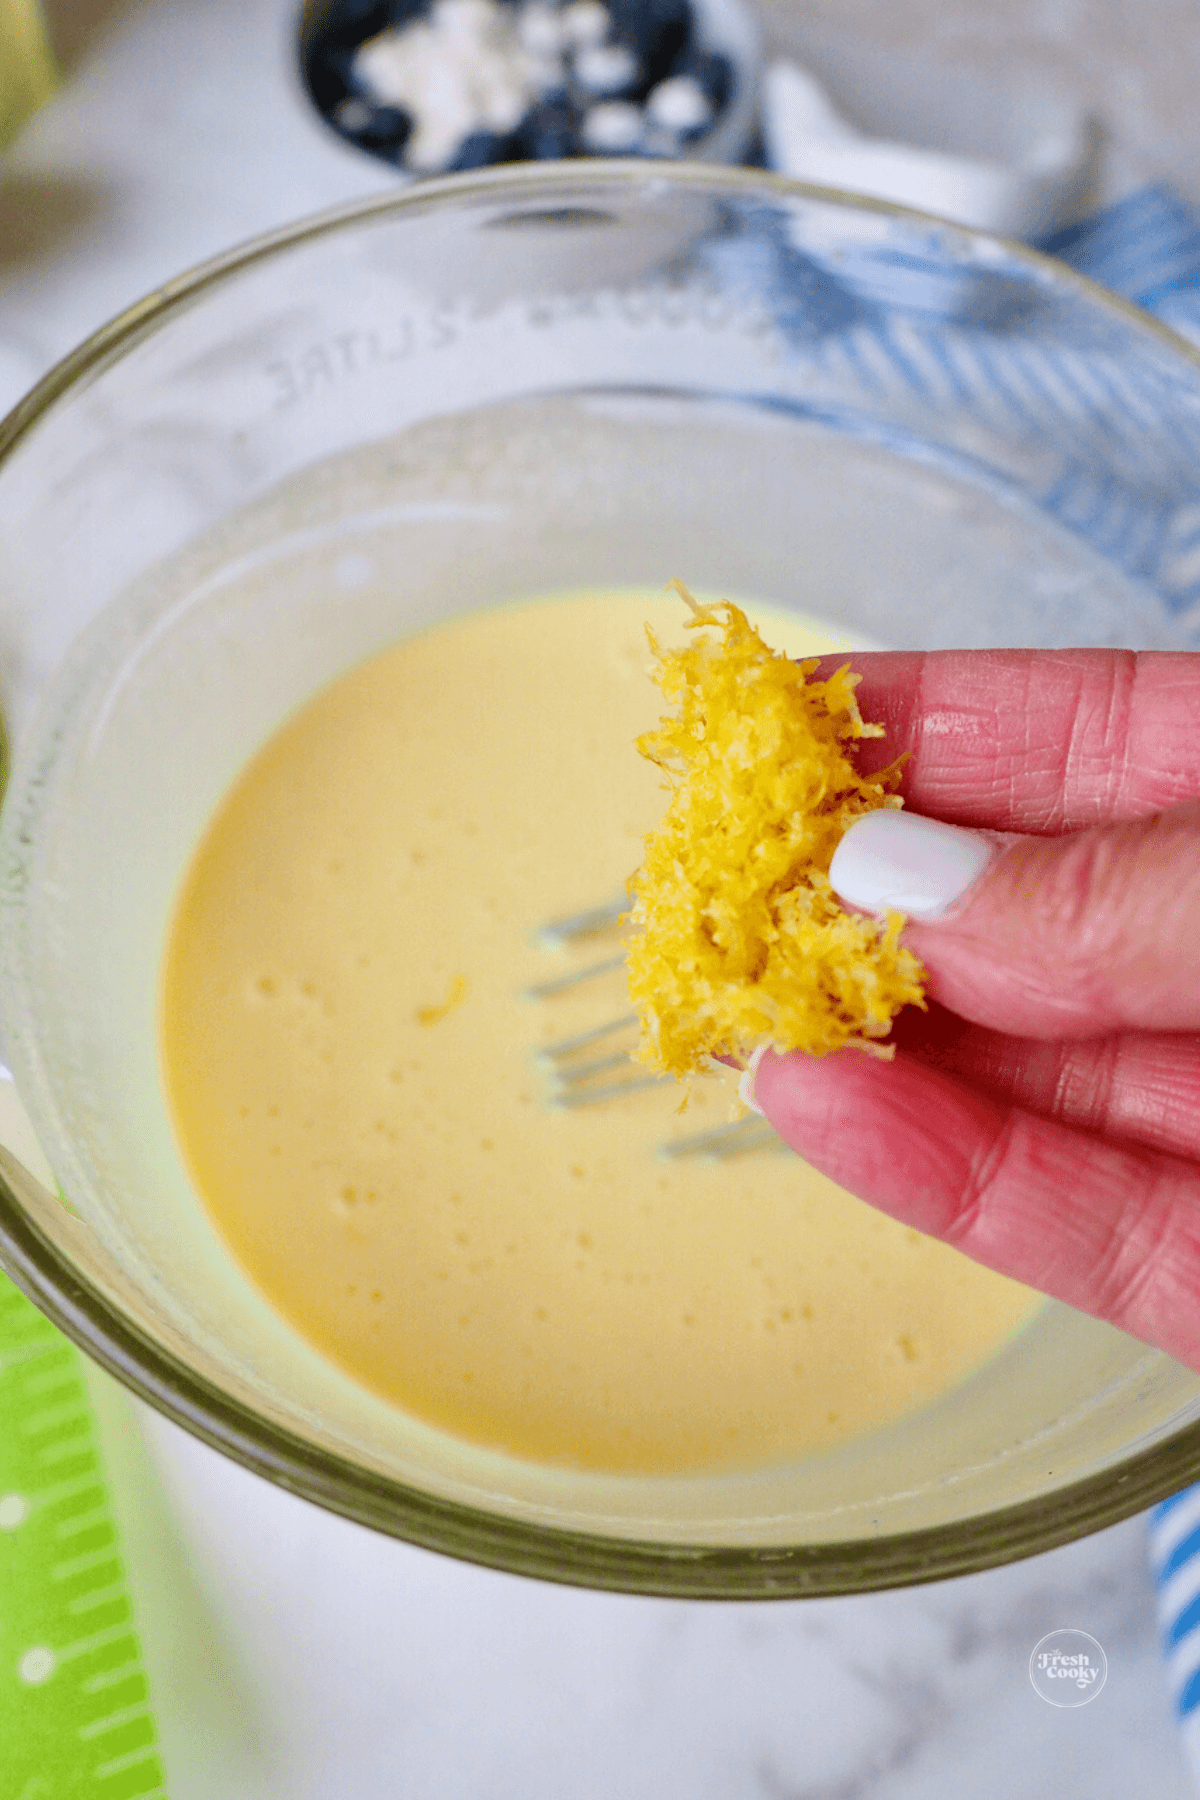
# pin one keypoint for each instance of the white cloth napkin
(1018, 159)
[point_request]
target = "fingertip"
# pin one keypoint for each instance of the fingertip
(746, 1092)
(896, 861)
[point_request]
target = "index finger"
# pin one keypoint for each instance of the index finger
(1112, 1229)
(1034, 740)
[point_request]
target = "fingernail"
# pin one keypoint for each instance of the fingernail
(746, 1084)
(893, 861)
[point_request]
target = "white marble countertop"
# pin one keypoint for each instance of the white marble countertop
(297, 1657)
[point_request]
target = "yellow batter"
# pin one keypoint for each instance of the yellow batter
(348, 1060)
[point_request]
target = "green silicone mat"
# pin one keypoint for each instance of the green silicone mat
(75, 1716)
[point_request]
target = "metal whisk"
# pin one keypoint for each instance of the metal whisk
(596, 1065)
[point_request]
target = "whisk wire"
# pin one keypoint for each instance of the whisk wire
(544, 990)
(559, 934)
(574, 1079)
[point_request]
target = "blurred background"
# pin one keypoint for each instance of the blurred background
(1137, 67)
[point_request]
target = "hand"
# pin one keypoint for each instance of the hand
(1044, 1115)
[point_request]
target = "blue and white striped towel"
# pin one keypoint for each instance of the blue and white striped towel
(1146, 247)
(1175, 1557)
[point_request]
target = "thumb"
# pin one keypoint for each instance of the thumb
(1044, 937)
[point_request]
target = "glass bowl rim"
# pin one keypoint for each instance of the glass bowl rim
(45, 1273)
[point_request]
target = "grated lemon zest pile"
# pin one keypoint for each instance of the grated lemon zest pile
(742, 939)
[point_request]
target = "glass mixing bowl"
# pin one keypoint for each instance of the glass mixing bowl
(487, 388)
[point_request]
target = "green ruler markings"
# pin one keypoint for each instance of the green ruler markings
(75, 1715)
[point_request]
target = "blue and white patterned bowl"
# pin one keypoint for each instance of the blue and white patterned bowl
(436, 86)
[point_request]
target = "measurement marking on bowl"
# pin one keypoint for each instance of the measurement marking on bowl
(75, 1712)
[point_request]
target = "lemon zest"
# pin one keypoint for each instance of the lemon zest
(738, 938)
(432, 1015)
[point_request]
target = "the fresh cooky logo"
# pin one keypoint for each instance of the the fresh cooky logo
(1068, 1667)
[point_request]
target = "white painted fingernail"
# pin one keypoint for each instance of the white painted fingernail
(746, 1084)
(893, 861)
